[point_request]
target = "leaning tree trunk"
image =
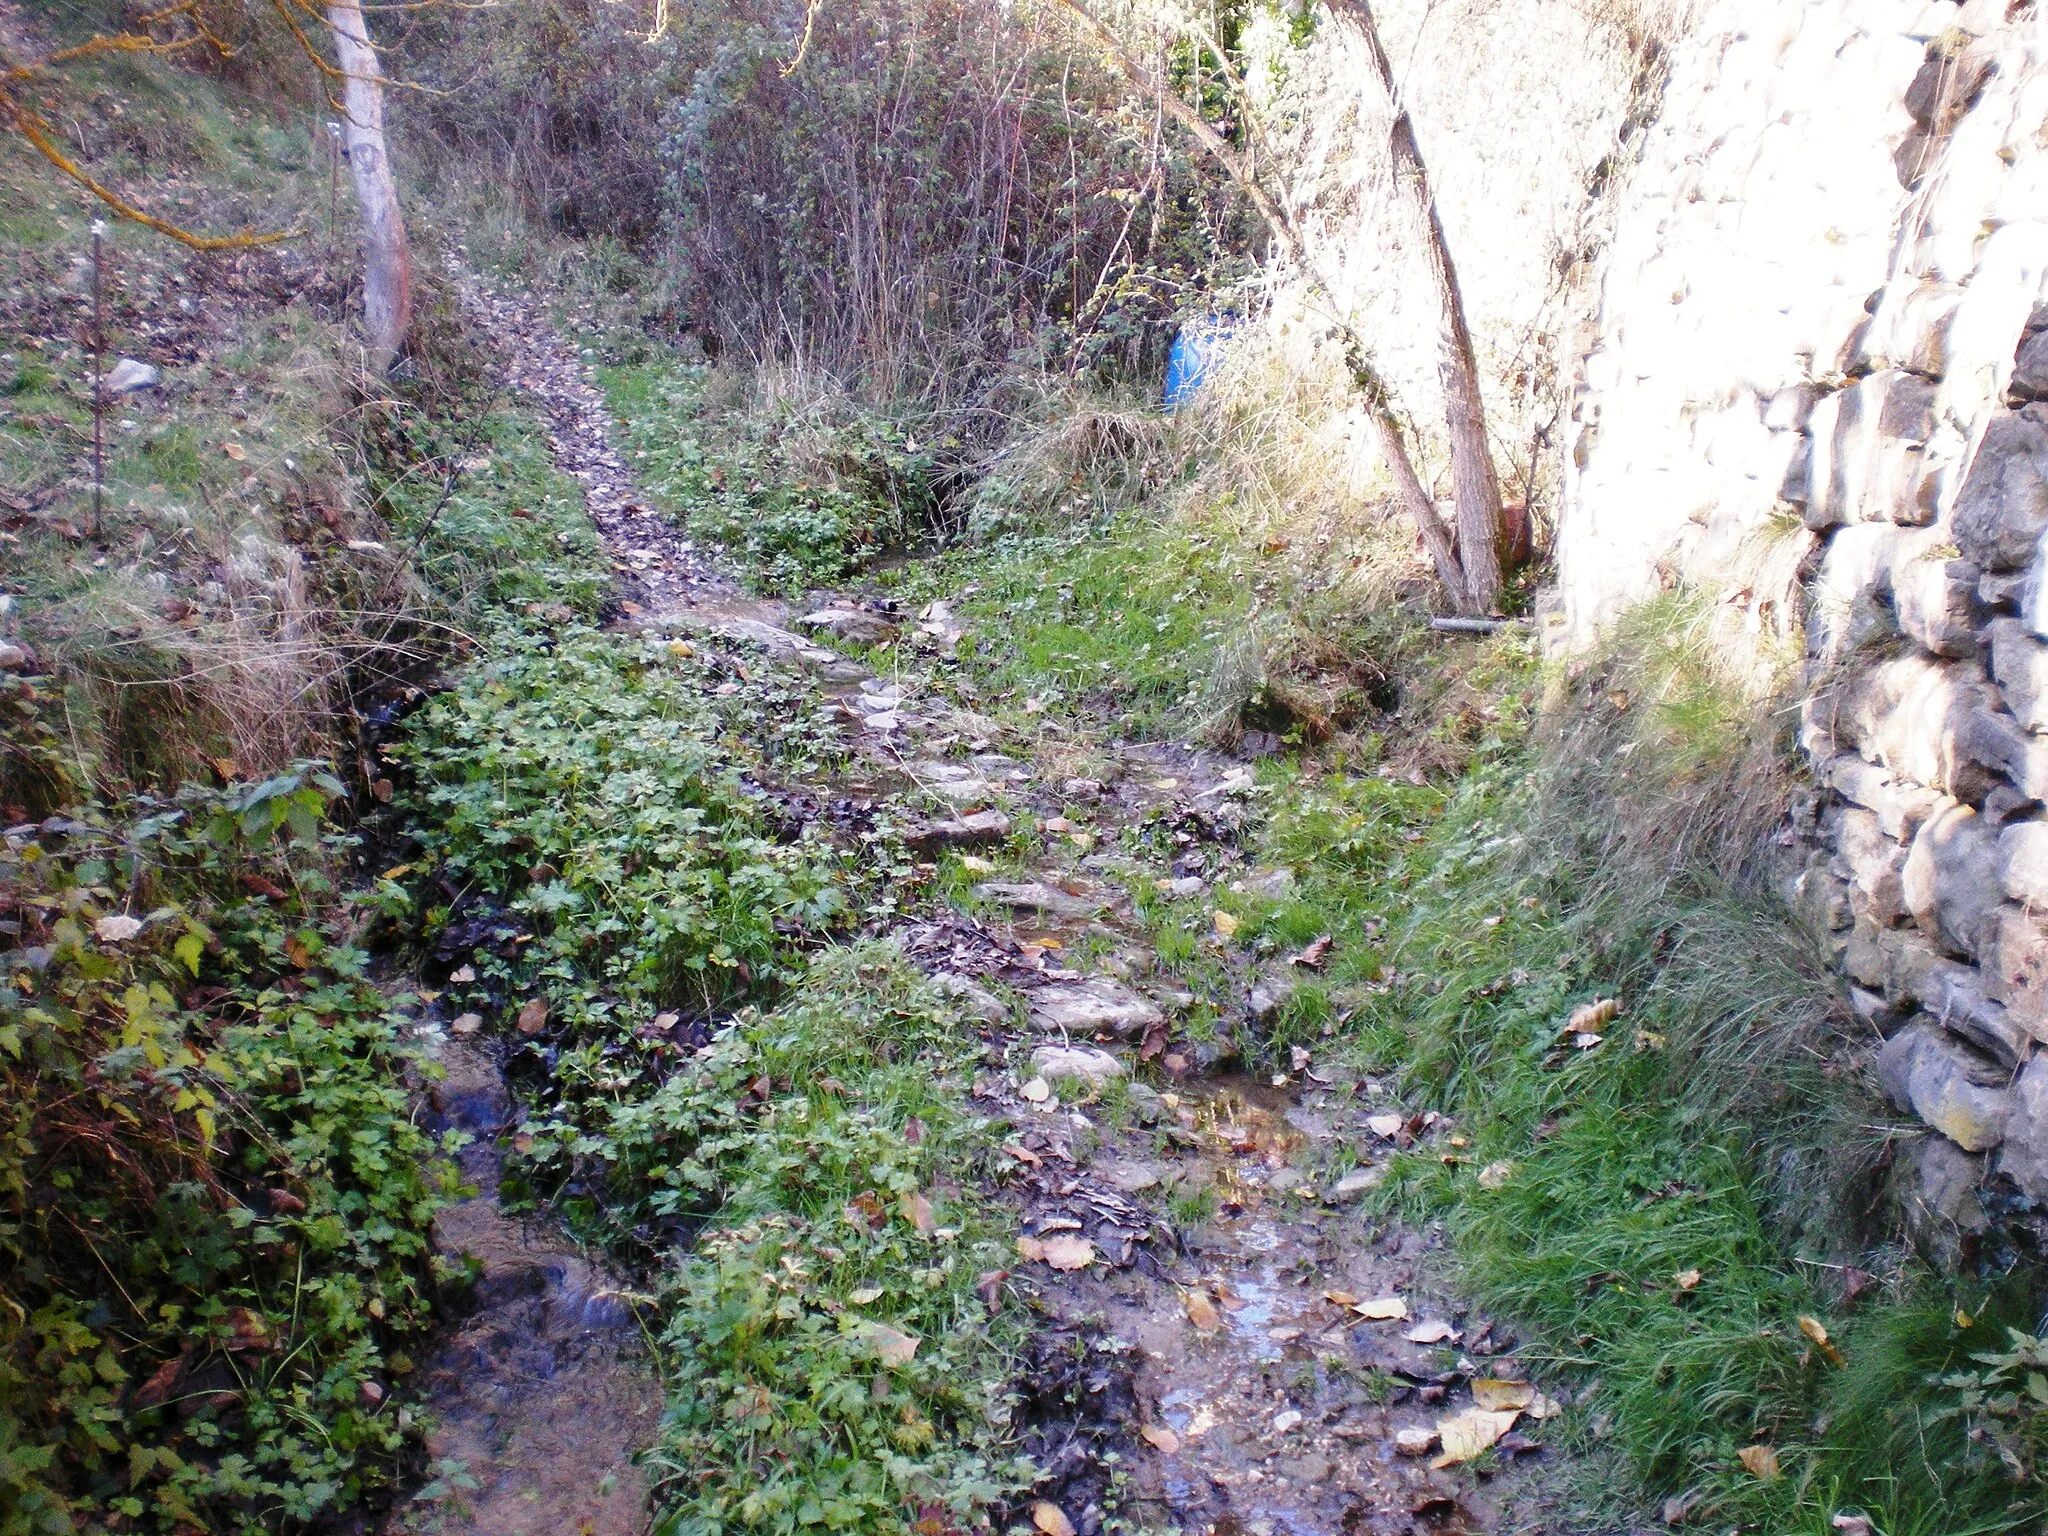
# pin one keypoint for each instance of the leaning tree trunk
(387, 259)
(1466, 595)
(1474, 483)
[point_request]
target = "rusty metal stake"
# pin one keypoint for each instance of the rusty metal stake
(99, 376)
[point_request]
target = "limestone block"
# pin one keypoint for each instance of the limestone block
(1790, 409)
(1900, 805)
(1915, 969)
(1950, 1088)
(2003, 505)
(1911, 714)
(1910, 328)
(1936, 603)
(1950, 880)
(1851, 592)
(1820, 899)
(1866, 455)
(2029, 379)
(2019, 662)
(2005, 283)
(1935, 1186)
(1955, 996)
(1994, 739)
(1875, 867)
(1863, 959)
(2024, 1156)
(2006, 591)
(2023, 862)
(2005, 804)
(2016, 968)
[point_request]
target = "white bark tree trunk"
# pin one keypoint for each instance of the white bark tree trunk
(1474, 482)
(387, 259)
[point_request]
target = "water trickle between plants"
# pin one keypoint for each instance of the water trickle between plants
(1206, 1331)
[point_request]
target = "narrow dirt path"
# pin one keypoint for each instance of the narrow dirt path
(1224, 1344)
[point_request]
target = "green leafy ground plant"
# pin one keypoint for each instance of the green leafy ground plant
(213, 1199)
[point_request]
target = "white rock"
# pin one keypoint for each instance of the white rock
(129, 376)
(1098, 1003)
(1359, 1181)
(976, 1001)
(1084, 1062)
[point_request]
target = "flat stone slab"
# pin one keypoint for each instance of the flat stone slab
(1037, 896)
(857, 625)
(978, 830)
(1084, 1062)
(1096, 1004)
(1129, 1178)
(975, 1000)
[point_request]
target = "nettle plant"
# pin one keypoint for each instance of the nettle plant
(213, 1202)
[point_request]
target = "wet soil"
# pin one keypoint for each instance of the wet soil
(541, 1389)
(1209, 1366)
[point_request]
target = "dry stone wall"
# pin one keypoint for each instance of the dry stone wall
(1817, 389)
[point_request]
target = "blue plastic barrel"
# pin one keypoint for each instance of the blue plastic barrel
(1195, 352)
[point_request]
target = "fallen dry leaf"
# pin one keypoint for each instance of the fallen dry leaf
(1818, 1336)
(865, 1296)
(1465, 1435)
(234, 451)
(1687, 1279)
(1037, 1090)
(1201, 1311)
(1495, 1174)
(988, 1285)
(892, 1346)
(1543, 1406)
(1314, 954)
(1031, 1248)
(467, 1023)
(532, 1016)
(976, 865)
(1224, 924)
(1762, 1461)
(1161, 1439)
(1435, 1331)
(1068, 1252)
(117, 928)
(1340, 1298)
(916, 1210)
(1495, 1395)
(1283, 1335)
(1051, 1519)
(1590, 1016)
(1382, 1308)
(1388, 1126)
